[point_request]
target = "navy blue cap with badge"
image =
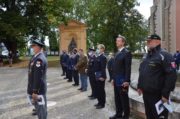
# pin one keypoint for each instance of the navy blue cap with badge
(154, 37)
(36, 41)
(91, 49)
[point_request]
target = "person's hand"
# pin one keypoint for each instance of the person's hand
(34, 97)
(112, 82)
(86, 70)
(139, 91)
(125, 84)
(165, 100)
(101, 79)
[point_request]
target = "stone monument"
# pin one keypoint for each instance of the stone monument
(72, 35)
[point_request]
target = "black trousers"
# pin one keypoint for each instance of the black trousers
(110, 74)
(75, 75)
(149, 101)
(100, 91)
(177, 66)
(66, 72)
(121, 102)
(69, 74)
(92, 81)
(63, 69)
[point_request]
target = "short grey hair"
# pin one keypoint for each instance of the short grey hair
(101, 46)
(122, 37)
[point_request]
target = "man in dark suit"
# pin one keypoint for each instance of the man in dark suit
(100, 75)
(110, 66)
(63, 59)
(74, 61)
(91, 72)
(121, 79)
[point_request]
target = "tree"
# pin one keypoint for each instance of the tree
(21, 18)
(106, 19)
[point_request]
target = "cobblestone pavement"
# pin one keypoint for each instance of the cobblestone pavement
(64, 100)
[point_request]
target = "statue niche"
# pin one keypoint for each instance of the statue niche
(72, 45)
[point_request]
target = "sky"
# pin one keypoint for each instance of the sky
(144, 7)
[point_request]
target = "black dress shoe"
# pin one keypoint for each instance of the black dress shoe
(83, 90)
(92, 98)
(62, 74)
(96, 104)
(79, 88)
(69, 81)
(115, 117)
(100, 106)
(34, 113)
(65, 78)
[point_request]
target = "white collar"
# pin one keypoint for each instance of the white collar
(37, 54)
(121, 49)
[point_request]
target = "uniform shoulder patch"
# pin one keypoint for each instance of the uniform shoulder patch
(38, 63)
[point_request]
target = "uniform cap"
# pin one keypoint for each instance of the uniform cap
(92, 49)
(154, 37)
(37, 42)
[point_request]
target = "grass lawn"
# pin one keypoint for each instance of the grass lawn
(53, 61)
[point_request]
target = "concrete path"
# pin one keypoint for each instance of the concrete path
(64, 100)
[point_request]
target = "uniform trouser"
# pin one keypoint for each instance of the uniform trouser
(41, 109)
(149, 101)
(66, 71)
(76, 77)
(121, 102)
(63, 69)
(177, 66)
(101, 94)
(110, 74)
(69, 74)
(92, 81)
(83, 78)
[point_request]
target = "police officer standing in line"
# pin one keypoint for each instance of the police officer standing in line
(75, 74)
(91, 72)
(69, 67)
(63, 59)
(157, 77)
(121, 79)
(100, 75)
(110, 66)
(37, 78)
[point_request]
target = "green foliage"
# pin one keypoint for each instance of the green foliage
(106, 19)
(21, 18)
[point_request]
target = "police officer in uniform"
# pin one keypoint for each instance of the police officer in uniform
(110, 66)
(157, 77)
(121, 79)
(100, 75)
(91, 72)
(63, 59)
(37, 78)
(69, 67)
(74, 60)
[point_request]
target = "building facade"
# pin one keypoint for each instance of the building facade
(165, 21)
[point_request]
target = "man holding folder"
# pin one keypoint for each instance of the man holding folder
(121, 79)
